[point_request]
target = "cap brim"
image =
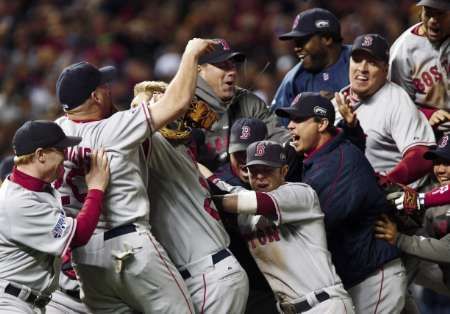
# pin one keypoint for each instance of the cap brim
(68, 141)
(264, 163)
(369, 52)
(107, 74)
(217, 58)
(293, 34)
(440, 5)
(436, 154)
(237, 147)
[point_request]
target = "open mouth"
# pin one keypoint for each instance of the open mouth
(362, 78)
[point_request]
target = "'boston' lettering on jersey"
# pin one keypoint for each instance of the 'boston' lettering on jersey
(264, 236)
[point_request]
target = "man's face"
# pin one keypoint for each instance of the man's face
(222, 78)
(237, 161)
(53, 164)
(436, 23)
(305, 134)
(264, 178)
(441, 169)
(312, 51)
(367, 74)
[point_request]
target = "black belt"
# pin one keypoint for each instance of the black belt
(217, 257)
(37, 301)
(73, 293)
(303, 306)
(118, 231)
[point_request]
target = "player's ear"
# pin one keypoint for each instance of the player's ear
(323, 125)
(284, 170)
(39, 154)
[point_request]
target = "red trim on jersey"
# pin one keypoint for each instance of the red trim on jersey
(317, 149)
(265, 205)
(412, 166)
(148, 116)
(84, 121)
(381, 289)
(28, 182)
(438, 196)
(416, 30)
(204, 294)
(69, 240)
(428, 112)
(87, 218)
(170, 272)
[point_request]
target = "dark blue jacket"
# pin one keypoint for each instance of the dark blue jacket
(298, 80)
(351, 200)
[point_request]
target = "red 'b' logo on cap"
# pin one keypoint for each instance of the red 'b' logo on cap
(367, 42)
(444, 141)
(260, 150)
(245, 134)
(224, 44)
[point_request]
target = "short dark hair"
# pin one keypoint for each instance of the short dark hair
(330, 128)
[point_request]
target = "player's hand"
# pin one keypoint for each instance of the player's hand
(98, 175)
(384, 181)
(408, 201)
(198, 46)
(386, 229)
(346, 110)
(438, 117)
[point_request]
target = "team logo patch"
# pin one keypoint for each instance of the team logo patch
(245, 134)
(295, 24)
(443, 141)
(320, 111)
(60, 227)
(367, 41)
(322, 23)
(260, 150)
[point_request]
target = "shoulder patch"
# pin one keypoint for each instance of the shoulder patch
(61, 225)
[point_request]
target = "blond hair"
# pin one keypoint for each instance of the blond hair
(28, 158)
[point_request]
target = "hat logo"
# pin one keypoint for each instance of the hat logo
(326, 76)
(367, 42)
(224, 44)
(320, 111)
(443, 142)
(245, 134)
(322, 23)
(260, 150)
(295, 24)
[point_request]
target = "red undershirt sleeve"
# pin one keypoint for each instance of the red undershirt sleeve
(87, 218)
(266, 206)
(438, 197)
(412, 166)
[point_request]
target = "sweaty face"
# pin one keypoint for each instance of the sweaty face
(237, 161)
(436, 23)
(441, 169)
(367, 74)
(305, 134)
(264, 178)
(312, 51)
(221, 77)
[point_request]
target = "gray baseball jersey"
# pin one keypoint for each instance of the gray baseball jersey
(183, 218)
(291, 251)
(35, 233)
(421, 68)
(392, 124)
(126, 199)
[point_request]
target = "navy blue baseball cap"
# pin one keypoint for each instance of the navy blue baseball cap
(41, 134)
(442, 151)
(436, 4)
(222, 52)
(77, 81)
(306, 105)
(267, 153)
(376, 45)
(313, 21)
(244, 132)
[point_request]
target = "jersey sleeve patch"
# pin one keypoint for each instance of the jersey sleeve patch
(60, 226)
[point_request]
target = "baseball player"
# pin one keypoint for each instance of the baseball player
(397, 135)
(285, 232)
(198, 246)
(36, 231)
(324, 60)
(420, 62)
(123, 268)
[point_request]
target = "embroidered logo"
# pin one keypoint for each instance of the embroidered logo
(320, 111)
(245, 134)
(224, 44)
(322, 23)
(326, 76)
(367, 42)
(260, 150)
(61, 225)
(443, 141)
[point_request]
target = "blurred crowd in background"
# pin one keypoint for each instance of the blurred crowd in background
(144, 40)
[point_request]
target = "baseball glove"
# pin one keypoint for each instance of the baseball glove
(144, 91)
(200, 115)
